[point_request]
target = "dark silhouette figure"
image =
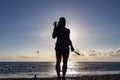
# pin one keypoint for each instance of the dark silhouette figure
(62, 45)
(35, 77)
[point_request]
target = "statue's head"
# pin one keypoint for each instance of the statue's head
(62, 22)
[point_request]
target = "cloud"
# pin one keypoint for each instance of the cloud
(94, 52)
(7, 58)
(117, 52)
(102, 53)
(37, 57)
(23, 57)
(99, 53)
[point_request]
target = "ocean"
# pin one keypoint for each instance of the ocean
(47, 69)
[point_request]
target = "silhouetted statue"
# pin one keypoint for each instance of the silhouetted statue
(62, 45)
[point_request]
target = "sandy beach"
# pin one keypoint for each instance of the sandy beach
(94, 77)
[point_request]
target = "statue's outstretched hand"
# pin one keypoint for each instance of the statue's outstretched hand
(55, 24)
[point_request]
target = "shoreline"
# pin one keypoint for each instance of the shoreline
(92, 77)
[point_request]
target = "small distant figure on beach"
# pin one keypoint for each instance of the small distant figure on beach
(62, 46)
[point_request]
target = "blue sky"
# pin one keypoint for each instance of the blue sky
(26, 26)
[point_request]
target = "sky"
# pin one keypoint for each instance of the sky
(26, 29)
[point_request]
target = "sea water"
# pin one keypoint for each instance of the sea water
(47, 69)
